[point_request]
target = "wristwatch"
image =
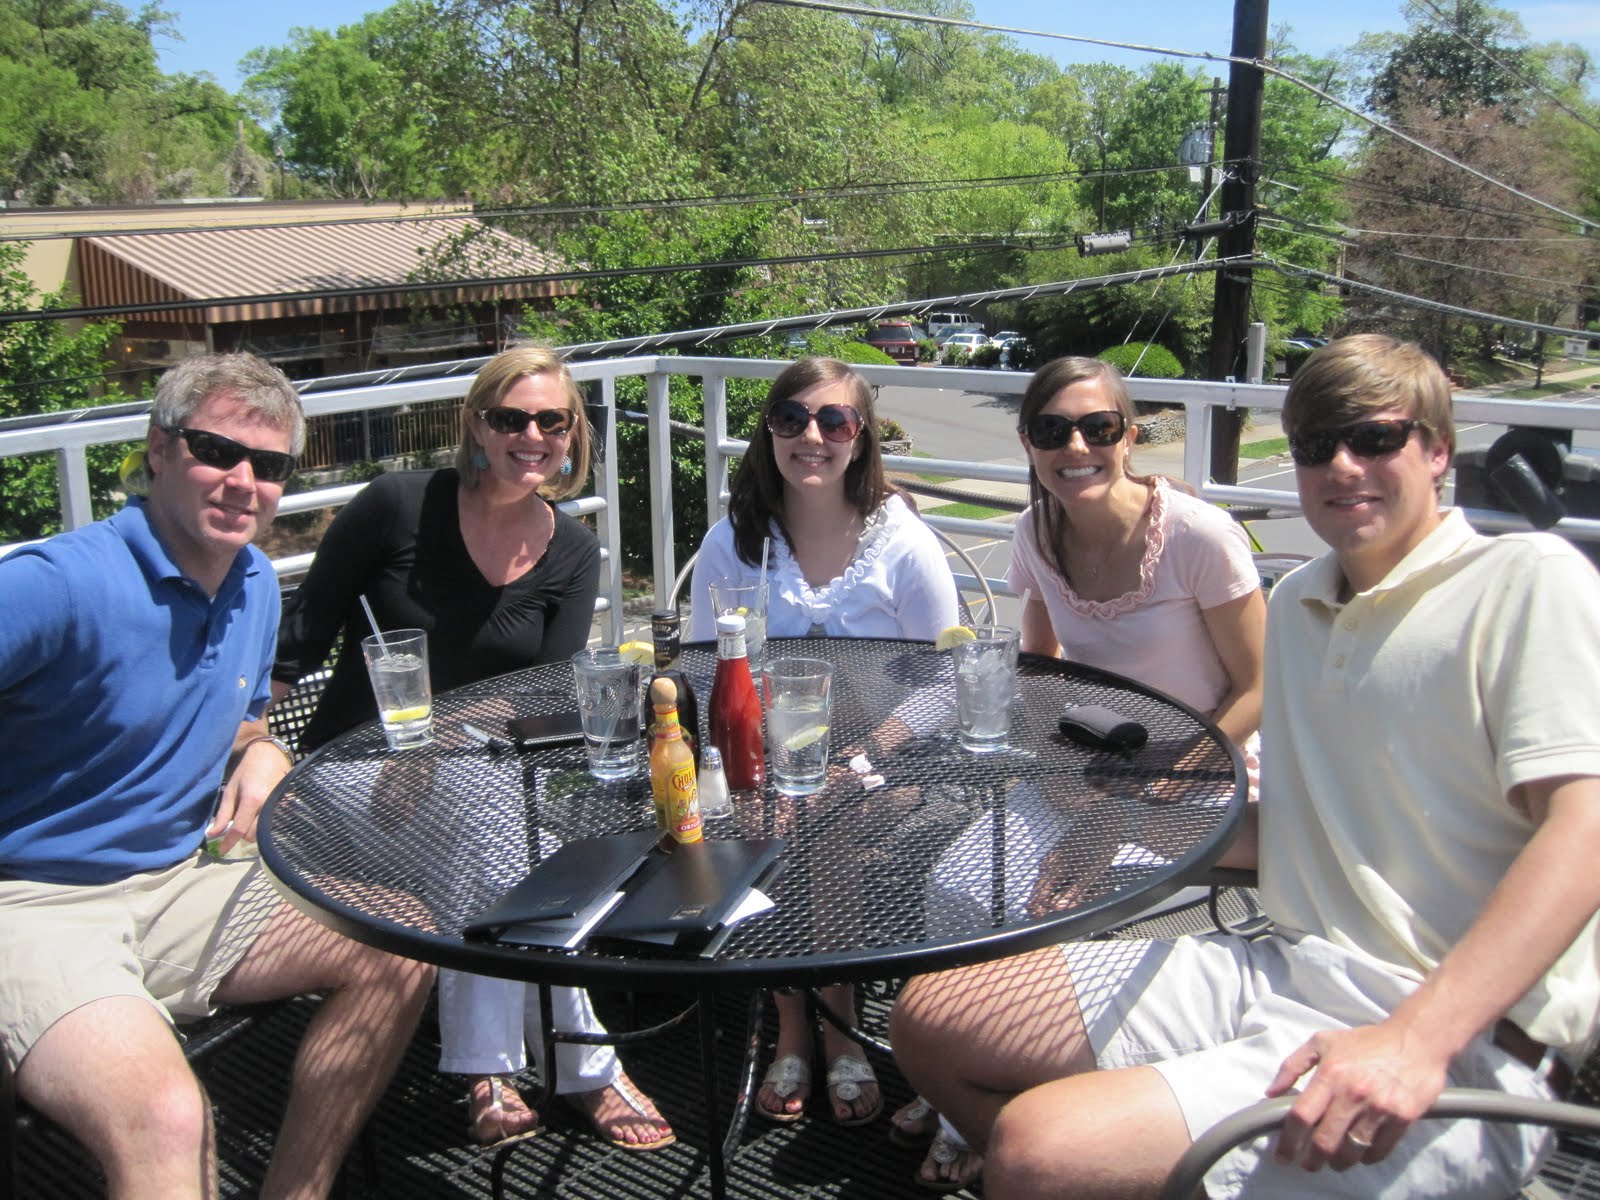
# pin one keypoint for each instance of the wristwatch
(283, 747)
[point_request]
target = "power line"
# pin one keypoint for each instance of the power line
(1293, 271)
(112, 310)
(800, 194)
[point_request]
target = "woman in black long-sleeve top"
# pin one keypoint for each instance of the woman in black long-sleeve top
(478, 555)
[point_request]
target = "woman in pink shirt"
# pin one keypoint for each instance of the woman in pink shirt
(1126, 573)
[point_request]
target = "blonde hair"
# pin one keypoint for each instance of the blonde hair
(497, 377)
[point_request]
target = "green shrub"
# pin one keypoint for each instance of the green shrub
(890, 430)
(956, 356)
(861, 354)
(985, 356)
(1158, 362)
(363, 472)
(927, 350)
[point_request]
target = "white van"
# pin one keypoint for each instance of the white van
(938, 322)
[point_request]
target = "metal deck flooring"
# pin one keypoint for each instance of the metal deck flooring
(419, 1131)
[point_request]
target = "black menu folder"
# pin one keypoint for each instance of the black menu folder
(572, 878)
(691, 890)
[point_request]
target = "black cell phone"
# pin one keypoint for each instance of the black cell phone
(1103, 728)
(552, 729)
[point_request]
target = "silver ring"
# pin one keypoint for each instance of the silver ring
(1363, 1143)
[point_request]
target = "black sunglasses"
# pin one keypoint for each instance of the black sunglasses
(1051, 431)
(835, 422)
(516, 420)
(1366, 439)
(214, 450)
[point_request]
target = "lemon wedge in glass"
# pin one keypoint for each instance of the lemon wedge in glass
(399, 716)
(949, 638)
(643, 653)
(805, 737)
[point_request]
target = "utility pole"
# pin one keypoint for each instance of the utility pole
(1217, 93)
(1230, 310)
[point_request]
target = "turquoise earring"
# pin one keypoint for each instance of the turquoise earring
(566, 466)
(479, 458)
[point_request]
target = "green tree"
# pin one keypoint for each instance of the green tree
(46, 367)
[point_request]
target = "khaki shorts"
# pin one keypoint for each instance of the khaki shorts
(169, 937)
(1217, 1015)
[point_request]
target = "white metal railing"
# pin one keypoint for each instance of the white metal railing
(70, 436)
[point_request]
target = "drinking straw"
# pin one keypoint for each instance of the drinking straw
(373, 621)
(766, 546)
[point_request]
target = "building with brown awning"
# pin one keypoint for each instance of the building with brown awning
(318, 288)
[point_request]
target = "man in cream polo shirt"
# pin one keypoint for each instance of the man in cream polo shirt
(1428, 827)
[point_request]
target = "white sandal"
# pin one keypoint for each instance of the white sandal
(635, 1099)
(846, 1074)
(785, 1076)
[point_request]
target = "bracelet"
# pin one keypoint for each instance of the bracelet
(283, 748)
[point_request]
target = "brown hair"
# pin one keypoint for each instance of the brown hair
(1359, 377)
(755, 497)
(1049, 514)
(497, 377)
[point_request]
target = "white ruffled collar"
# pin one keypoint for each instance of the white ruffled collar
(821, 601)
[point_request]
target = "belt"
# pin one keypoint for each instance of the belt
(1534, 1055)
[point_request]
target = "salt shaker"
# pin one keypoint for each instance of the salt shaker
(714, 798)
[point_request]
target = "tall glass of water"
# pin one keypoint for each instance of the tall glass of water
(799, 713)
(397, 664)
(729, 596)
(986, 682)
(608, 703)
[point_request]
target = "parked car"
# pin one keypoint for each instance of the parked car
(1005, 336)
(965, 341)
(950, 331)
(897, 339)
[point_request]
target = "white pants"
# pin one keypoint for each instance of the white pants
(486, 1025)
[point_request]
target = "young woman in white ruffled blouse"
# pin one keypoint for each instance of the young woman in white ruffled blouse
(849, 558)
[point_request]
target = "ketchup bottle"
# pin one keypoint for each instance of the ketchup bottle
(736, 709)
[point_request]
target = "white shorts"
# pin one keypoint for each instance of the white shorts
(1217, 1015)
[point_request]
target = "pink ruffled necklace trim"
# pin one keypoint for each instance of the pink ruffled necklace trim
(1154, 539)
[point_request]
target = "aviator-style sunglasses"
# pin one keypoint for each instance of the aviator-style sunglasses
(214, 450)
(550, 421)
(835, 422)
(1051, 431)
(1366, 439)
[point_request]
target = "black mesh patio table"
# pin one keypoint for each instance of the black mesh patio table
(955, 858)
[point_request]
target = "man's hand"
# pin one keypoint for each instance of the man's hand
(1370, 1084)
(260, 766)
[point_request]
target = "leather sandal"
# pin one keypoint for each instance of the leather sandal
(487, 1125)
(947, 1152)
(637, 1101)
(846, 1074)
(785, 1076)
(913, 1127)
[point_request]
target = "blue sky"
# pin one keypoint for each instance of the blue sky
(218, 33)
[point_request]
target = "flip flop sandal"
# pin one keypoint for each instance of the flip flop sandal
(497, 1108)
(946, 1150)
(785, 1076)
(635, 1099)
(846, 1074)
(920, 1123)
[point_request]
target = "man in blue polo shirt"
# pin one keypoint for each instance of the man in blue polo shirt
(135, 659)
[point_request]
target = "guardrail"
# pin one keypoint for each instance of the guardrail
(70, 434)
